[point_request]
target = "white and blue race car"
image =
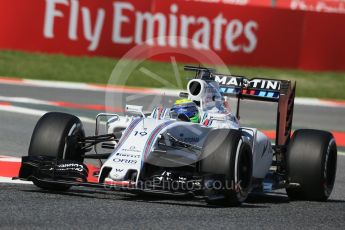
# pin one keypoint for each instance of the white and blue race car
(197, 146)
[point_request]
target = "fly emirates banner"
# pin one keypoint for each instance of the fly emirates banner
(239, 35)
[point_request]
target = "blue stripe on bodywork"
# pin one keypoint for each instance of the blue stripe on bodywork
(128, 131)
(154, 134)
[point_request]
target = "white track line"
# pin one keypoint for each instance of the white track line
(135, 90)
(35, 112)
(10, 159)
(91, 87)
(101, 88)
(26, 100)
(58, 84)
(9, 180)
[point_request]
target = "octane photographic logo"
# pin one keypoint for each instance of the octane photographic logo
(134, 69)
(211, 186)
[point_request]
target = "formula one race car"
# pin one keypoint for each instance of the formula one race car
(195, 147)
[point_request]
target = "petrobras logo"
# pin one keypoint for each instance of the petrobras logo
(127, 155)
(123, 23)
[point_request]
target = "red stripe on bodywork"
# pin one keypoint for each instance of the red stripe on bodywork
(148, 145)
(153, 136)
(128, 131)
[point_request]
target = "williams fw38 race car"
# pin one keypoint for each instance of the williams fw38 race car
(194, 147)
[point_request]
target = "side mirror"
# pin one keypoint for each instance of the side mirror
(137, 109)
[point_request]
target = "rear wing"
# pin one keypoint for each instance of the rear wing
(262, 89)
(255, 89)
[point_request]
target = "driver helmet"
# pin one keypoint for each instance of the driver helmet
(186, 109)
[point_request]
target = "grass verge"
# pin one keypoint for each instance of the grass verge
(98, 70)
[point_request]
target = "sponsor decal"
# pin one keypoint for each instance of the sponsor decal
(128, 155)
(318, 6)
(242, 37)
(253, 83)
(188, 139)
(125, 161)
(218, 32)
(67, 167)
(131, 149)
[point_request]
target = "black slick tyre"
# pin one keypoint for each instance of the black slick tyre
(49, 138)
(226, 154)
(311, 165)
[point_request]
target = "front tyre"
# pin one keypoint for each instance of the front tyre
(55, 136)
(227, 155)
(311, 164)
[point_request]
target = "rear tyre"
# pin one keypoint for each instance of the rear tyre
(311, 163)
(49, 138)
(226, 154)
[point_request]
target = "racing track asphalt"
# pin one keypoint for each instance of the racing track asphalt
(26, 207)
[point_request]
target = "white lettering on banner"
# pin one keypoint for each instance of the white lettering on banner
(219, 21)
(237, 2)
(118, 20)
(249, 33)
(233, 31)
(95, 36)
(150, 19)
(73, 22)
(202, 36)
(50, 14)
(173, 26)
(172, 30)
(185, 22)
(319, 6)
